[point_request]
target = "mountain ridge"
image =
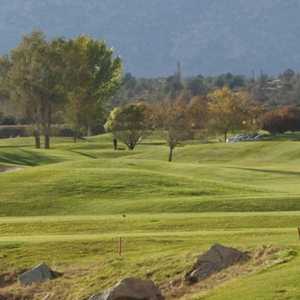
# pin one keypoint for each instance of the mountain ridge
(207, 36)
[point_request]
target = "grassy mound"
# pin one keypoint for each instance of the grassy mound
(91, 178)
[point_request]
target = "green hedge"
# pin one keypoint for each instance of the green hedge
(12, 131)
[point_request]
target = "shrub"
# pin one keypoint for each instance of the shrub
(8, 120)
(280, 120)
(14, 131)
(129, 123)
(62, 131)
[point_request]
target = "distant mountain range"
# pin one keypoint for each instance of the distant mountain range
(206, 36)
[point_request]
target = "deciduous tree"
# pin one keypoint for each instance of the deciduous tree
(173, 120)
(92, 74)
(282, 119)
(198, 112)
(129, 123)
(35, 80)
(232, 111)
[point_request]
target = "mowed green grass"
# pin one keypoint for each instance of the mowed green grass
(90, 178)
(69, 206)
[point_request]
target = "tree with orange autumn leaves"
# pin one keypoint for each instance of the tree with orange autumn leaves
(177, 120)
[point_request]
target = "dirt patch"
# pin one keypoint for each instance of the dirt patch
(7, 296)
(51, 290)
(8, 279)
(260, 259)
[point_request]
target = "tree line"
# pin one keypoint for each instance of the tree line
(71, 79)
(179, 119)
(79, 81)
(221, 112)
(272, 91)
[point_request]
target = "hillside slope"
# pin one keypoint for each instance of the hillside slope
(91, 178)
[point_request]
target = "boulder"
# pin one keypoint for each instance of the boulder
(39, 274)
(131, 289)
(214, 260)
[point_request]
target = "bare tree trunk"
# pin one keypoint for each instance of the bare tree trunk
(171, 154)
(47, 140)
(37, 136)
(89, 130)
(225, 136)
(115, 142)
(47, 126)
(75, 136)
(37, 139)
(37, 129)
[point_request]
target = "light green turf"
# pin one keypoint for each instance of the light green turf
(68, 206)
(90, 178)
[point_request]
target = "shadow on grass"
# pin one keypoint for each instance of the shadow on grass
(84, 154)
(289, 136)
(279, 172)
(27, 158)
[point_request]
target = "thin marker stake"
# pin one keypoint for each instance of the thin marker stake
(120, 246)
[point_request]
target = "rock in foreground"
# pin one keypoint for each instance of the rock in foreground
(39, 274)
(217, 258)
(131, 289)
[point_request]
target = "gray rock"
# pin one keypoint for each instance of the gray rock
(131, 289)
(214, 260)
(39, 274)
